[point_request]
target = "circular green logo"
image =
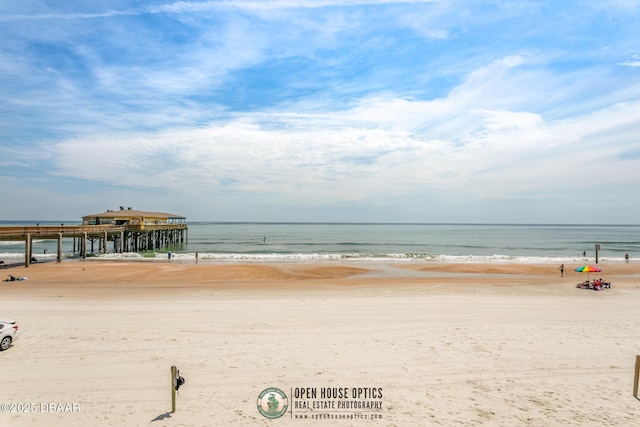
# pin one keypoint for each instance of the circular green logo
(273, 403)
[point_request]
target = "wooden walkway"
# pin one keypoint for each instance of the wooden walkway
(126, 238)
(52, 231)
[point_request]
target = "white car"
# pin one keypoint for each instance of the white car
(8, 333)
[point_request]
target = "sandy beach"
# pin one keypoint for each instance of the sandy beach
(416, 344)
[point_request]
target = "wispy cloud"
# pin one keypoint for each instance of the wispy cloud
(71, 16)
(630, 63)
(188, 7)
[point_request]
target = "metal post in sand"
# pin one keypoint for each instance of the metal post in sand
(635, 378)
(173, 389)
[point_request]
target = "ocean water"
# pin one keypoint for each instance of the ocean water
(317, 242)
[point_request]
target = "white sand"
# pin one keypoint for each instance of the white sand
(506, 345)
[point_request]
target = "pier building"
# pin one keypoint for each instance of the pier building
(129, 230)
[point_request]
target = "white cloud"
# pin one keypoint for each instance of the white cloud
(511, 153)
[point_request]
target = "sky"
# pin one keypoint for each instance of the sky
(428, 111)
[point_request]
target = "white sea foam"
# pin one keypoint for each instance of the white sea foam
(298, 258)
(314, 257)
(11, 243)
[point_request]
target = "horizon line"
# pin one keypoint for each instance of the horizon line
(70, 222)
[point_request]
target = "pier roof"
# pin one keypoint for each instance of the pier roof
(133, 213)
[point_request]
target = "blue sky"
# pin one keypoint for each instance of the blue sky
(355, 110)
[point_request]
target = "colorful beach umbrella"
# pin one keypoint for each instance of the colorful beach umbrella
(588, 269)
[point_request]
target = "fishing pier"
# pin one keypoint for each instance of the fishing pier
(129, 230)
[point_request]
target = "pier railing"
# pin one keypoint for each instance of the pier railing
(153, 227)
(52, 231)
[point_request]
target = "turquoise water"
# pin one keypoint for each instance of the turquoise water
(291, 242)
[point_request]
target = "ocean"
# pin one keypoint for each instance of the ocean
(318, 242)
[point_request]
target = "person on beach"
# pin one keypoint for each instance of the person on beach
(626, 258)
(169, 256)
(196, 257)
(561, 268)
